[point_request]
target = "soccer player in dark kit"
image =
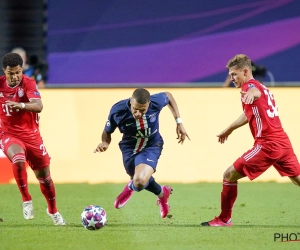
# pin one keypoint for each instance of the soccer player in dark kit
(141, 144)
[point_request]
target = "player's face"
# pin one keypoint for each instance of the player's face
(13, 75)
(137, 109)
(238, 76)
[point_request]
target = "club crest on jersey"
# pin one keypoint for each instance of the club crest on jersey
(152, 117)
(250, 86)
(20, 92)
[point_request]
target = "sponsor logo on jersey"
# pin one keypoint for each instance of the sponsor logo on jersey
(36, 93)
(108, 123)
(20, 92)
(1, 95)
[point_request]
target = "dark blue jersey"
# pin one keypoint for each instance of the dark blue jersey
(137, 133)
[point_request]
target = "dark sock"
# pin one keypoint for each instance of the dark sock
(134, 188)
(153, 186)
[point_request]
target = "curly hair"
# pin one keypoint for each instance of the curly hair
(142, 96)
(12, 60)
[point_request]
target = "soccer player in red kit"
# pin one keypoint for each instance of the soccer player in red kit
(271, 146)
(20, 136)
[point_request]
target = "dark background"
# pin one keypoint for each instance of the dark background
(61, 32)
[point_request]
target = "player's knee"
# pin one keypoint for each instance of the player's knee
(139, 182)
(228, 175)
(47, 180)
(18, 160)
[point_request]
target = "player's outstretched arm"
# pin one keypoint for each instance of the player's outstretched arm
(241, 121)
(34, 105)
(251, 95)
(103, 146)
(180, 130)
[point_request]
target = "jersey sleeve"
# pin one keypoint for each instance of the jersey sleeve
(111, 123)
(32, 90)
(249, 86)
(160, 100)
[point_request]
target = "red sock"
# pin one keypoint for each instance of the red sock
(48, 190)
(20, 174)
(228, 197)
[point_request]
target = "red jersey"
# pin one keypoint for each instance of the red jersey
(18, 122)
(262, 116)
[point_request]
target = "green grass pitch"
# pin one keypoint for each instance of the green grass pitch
(261, 210)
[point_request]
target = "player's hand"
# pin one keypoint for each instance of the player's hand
(102, 147)
(223, 136)
(248, 97)
(14, 105)
(181, 133)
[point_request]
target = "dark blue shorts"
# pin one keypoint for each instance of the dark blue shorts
(148, 155)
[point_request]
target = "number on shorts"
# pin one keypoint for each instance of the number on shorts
(43, 148)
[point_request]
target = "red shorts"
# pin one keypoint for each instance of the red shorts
(258, 159)
(35, 151)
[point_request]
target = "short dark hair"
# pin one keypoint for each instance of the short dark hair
(142, 96)
(12, 60)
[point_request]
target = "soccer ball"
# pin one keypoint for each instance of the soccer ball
(93, 217)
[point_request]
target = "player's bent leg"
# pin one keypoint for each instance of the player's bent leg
(163, 193)
(139, 181)
(48, 190)
(47, 187)
(231, 175)
(154, 187)
(142, 175)
(144, 172)
(228, 197)
(17, 157)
